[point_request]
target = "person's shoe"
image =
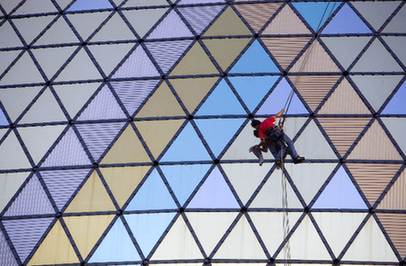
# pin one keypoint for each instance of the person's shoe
(261, 161)
(299, 159)
(278, 164)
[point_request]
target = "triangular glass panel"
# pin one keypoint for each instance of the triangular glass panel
(286, 22)
(133, 93)
(9, 6)
(185, 2)
(58, 33)
(221, 101)
(7, 58)
(11, 184)
(228, 23)
(312, 144)
(34, 8)
(369, 62)
(79, 5)
(346, 21)
(257, 14)
(214, 193)
(394, 199)
(378, 247)
(183, 179)
(38, 140)
(109, 30)
(315, 12)
(396, 104)
(296, 243)
(396, 44)
(122, 181)
(202, 222)
(10, 38)
(86, 23)
(376, 13)
(171, 26)
(152, 195)
(210, 128)
(59, 57)
(142, 20)
(12, 155)
(3, 118)
(340, 193)
(91, 197)
(397, 128)
(253, 89)
(109, 251)
(148, 228)
(63, 183)
(74, 96)
(127, 139)
(55, 249)
(143, 3)
(396, 25)
(271, 194)
(178, 244)
(167, 53)
(255, 60)
(102, 106)
(278, 98)
(108, 56)
(31, 27)
(375, 145)
(346, 49)
(233, 247)
(24, 65)
(393, 224)
(376, 88)
(245, 178)
(199, 17)
(138, 64)
(6, 256)
(25, 234)
(98, 137)
(68, 151)
(86, 230)
(44, 109)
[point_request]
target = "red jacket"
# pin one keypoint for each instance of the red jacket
(264, 126)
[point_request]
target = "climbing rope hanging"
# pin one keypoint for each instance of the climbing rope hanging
(285, 218)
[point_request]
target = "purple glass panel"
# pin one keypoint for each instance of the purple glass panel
(68, 151)
(138, 64)
(25, 233)
(171, 27)
(199, 17)
(6, 256)
(63, 183)
(31, 200)
(99, 136)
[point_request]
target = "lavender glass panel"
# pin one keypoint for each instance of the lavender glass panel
(199, 17)
(98, 137)
(68, 151)
(133, 93)
(63, 183)
(171, 27)
(6, 256)
(138, 64)
(199, 1)
(167, 53)
(103, 106)
(214, 193)
(25, 233)
(31, 200)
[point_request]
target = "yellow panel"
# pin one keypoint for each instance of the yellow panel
(162, 103)
(227, 24)
(195, 62)
(157, 134)
(92, 197)
(192, 91)
(226, 50)
(127, 149)
(55, 249)
(86, 230)
(123, 180)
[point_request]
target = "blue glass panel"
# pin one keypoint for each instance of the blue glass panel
(218, 132)
(340, 193)
(346, 21)
(116, 246)
(89, 5)
(221, 101)
(3, 119)
(278, 98)
(214, 193)
(253, 89)
(183, 179)
(152, 195)
(148, 228)
(186, 147)
(255, 60)
(397, 104)
(316, 13)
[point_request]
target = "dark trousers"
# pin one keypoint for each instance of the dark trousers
(281, 147)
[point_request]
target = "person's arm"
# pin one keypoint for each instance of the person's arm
(280, 113)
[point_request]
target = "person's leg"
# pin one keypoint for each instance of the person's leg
(290, 146)
(277, 152)
(256, 150)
